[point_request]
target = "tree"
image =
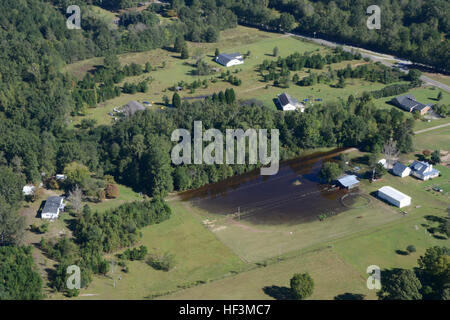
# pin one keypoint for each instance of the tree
(414, 75)
(411, 248)
(439, 96)
(76, 199)
(179, 44)
(302, 286)
(400, 284)
(275, 52)
(435, 270)
(390, 153)
(77, 174)
(330, 171)
(286, 22)
(184, 52)
(217, 52)
(12, 226)
(436, 156)
(176, 100)
(378, 171)
(112, 191)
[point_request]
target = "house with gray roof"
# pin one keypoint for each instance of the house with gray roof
(289, 103)
(229, 60)
(423, 170)
(53, 206)
(409, 103)
(131, 108)
(401, 170)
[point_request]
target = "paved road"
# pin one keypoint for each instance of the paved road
(385, 59)
(433, 128)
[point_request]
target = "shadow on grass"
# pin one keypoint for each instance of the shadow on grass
(402, 252)
(350, 296)
(279, 293)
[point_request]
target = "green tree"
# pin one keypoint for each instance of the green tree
(436, 156)
(302, 286)
(12, 225)
(330, 171)
(439, 96)
(286, 22)
(184, 52)
(77, 174)
(275, 52)
(176, 100)
(400, 284)
(179, 44)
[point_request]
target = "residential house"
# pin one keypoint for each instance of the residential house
(229, 60)
(401, 170)
(423, 170)
(410, 104)
(289, 103)
(53, 206)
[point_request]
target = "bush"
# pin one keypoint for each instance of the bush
(165, 261)
(411, 248)
(302, 286)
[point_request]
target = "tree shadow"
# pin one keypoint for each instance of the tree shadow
(402, 252)
(279, 293)
(350, 296)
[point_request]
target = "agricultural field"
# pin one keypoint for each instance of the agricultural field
(259, 44)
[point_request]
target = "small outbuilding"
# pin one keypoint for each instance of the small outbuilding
(401, 170)
(289, 103)
(229, 60)
(28, 190)
(394, 197)
(349, 181)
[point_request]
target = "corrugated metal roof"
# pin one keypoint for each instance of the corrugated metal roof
(393, 193)
(348, 181)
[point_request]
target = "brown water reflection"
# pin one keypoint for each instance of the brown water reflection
(273, 199)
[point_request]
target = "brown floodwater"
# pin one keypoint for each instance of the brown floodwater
(294, 195)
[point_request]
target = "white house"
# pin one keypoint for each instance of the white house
(229, 60)
(28, 190)
(53, 206)
(289, 103)
(401, 170)
(423, 170)
(394, 197)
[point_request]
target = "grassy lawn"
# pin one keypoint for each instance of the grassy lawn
(125, 195)
(198, 254)
(438, 139)
(332, 276)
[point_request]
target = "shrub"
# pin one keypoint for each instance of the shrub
(165, 261)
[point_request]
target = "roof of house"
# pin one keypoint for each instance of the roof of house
(399, 168)
(408, 102)
(286, 99)
(224, 58)
(421, 166)
(132, 107)
(393, 193)
(52, 204)
(348, 181)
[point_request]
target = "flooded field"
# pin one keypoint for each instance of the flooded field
(293, 196)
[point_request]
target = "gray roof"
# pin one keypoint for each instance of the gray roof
(399, 168)
(52, 204)
(224, 58)
(409, 103)
(132, 107)
(420, 167)
(348, 181)
(286, 99)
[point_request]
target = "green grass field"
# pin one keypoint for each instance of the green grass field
(438, 139)
(199, 256)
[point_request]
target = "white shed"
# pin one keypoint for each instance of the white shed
(394, 197)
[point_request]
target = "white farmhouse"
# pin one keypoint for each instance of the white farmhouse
(289, 103)
(229, 60)
(53, 206)
(394, 197)
(423, 170)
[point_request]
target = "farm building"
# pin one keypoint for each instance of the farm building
(401, 170)
(132, 107)
(289, 103)
(53, 206)
(394, 197)
(410, 104)
(349, 181)
(423, 170)
(229, 60)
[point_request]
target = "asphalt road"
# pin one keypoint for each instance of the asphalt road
(385, 59)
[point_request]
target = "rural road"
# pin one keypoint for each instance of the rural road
(433, 128)
(381, 57)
